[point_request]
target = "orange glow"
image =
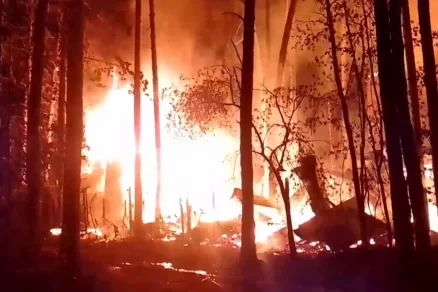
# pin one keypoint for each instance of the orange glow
(197, 169)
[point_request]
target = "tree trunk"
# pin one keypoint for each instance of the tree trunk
(248, 256)
(350, 138)
(61, 115)
(138, 213)
(74, 133)
(290, 230)
(285, 42)
(403, 232)
(412, 79)
(33, 161)
(156, 108)
(430, 82)
(410, 154)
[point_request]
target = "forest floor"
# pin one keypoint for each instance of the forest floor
(125, 266)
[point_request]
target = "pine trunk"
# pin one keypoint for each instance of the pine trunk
(403, 232)
(157, 123)
(430, 81)
(33, 159)
(138, 213)
(248, 256)
(74, 133)
(409, 149)
(285, 42)
(412, 79)
(61, 115)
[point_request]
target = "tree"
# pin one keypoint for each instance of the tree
(138, 193)
(410, 154)
(360, 198)
(157, 123)
(285, 42)
(430, 81)
(74, 133)
(399, 195)
(34, 170)
(412, 77)
(248, 256)
(61, 113)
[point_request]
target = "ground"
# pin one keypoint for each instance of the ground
(124, 266)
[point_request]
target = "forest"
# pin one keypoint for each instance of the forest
(218, 145)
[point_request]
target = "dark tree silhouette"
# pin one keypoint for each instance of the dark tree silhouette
(61, 115)
(410, 154)
(403, 232)
(138, 193)
(430, 81)
(360, 198)
(248, 255)
(74, 132)
(412, 78)
(33, 167)
(157, 123)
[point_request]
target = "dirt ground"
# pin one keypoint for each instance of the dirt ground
(125, 266)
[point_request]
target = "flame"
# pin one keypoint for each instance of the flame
(196, 170)
(193, 169)
(90, 231)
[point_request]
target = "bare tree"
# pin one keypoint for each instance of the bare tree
(34, 170)
(346, 116)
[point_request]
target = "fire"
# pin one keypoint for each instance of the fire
(196, 170)
(193, 169)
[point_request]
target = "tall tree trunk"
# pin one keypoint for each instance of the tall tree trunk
(410, 155)
(156, 108)
(6, 171)
(248, 256)
(412, 79)
(33, 161)
(403, 232)
(430, 82)
(268, 41)
(138, 188)
(345, 113)
(289, 226)
(285, 42)
(74, 132)
(61, 115)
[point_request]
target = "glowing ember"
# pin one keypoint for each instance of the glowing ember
(169, 266)
(91, 231)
